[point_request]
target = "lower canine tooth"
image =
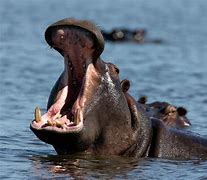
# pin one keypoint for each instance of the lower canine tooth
(37, 114)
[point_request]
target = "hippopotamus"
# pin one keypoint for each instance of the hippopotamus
(120, 35)
(127, 35)
(90, 110)
(171, 115)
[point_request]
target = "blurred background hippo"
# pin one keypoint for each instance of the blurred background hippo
(127, 35)
(171, 115)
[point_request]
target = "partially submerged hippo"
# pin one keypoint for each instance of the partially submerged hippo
(90, 111)
(121, 35)
(127, 35)
(171, 115)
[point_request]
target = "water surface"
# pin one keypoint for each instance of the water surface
(174, 71)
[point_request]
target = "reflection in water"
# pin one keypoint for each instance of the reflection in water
(81, 166)
(101, 167)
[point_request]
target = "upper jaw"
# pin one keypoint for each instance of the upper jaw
(82, 24)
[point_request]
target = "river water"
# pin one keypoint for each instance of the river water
(173, 71)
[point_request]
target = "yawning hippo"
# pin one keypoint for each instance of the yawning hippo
(171, 115)
(90, 111)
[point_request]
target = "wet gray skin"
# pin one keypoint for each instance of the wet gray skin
(87, 110)
(90, 110)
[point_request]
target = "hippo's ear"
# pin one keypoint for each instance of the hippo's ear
(125, 85)
(142, 99)
(181, 111)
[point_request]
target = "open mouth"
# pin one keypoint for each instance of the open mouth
(66, 112)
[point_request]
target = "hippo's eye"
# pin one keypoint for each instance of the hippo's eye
(61, 37)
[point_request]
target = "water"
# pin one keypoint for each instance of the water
(175, 71)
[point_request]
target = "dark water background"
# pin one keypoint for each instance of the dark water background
(174, 71)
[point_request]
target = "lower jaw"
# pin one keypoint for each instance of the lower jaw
(62, 130)
(63, 142)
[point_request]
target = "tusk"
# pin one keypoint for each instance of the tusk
(37, 114)
(76, 117)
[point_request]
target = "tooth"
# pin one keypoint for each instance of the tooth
(37, 114)
(76, 118)
(57, 116)
(49, 122)
(59, 124)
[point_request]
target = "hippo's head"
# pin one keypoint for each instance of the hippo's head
(87, 109)
(174, 116)
(171, 115)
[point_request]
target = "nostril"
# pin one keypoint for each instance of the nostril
(60, 32)
(60, 35)
(57, 36)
